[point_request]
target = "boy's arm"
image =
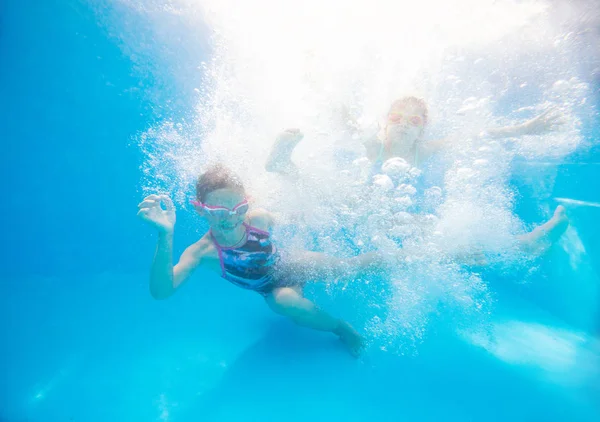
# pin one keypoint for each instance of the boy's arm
(320, 265)
(545, 122)
(372, 145)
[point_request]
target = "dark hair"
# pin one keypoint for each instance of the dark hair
(217, 177)
(418, 103)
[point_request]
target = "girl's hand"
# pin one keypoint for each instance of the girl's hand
(151, 210)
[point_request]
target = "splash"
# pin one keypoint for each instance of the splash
(316, 63)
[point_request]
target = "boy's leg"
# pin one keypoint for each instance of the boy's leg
(290, 303)
(279, 159)
(541, 238)
(537, 242)
(320, 267)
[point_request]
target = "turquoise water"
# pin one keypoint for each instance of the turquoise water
(82, 339)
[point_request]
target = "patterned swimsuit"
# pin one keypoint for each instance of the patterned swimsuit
(252, 265)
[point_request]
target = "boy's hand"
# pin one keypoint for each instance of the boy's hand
(151, 210)
(548, 121)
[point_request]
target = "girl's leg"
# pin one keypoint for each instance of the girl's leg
(289, 302)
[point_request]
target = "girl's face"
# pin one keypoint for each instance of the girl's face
(225, 209)
(404, 126)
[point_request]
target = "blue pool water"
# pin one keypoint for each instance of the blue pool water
(82, 340)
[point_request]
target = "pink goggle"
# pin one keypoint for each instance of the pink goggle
(396, 118)
(223, 212)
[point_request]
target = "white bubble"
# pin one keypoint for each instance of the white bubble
(361, 167)
(402, 203)
(406, 189)
(495, 147)
(485, 150)
(401, 218)
(383, 182)
(432, 198)
(429, 219)
(465, 173)
(561, 86)
(362, 163)
(414, 172)
(433, 192)
(473, 104)
(395, 167)
(402, 232)
(378, 223)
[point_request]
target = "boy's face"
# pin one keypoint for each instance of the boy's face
(405, 125)
(224, 209)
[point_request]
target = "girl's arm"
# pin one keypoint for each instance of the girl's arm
(164, 277)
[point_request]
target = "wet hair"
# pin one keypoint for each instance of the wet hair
(217, 177)
(415, 102)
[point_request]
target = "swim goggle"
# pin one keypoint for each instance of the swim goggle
(397, 118)
(224, 212)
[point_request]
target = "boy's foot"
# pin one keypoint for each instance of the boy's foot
(351, 339)
(279, 159)
(539, 240)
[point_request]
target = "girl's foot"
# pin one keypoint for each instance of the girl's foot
(350, 337)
